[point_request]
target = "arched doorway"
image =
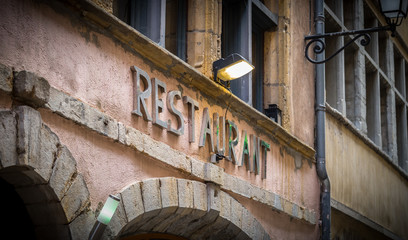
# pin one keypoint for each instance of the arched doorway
(41, 188)
(181, 209)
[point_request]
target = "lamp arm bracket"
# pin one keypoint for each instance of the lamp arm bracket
(320, 45)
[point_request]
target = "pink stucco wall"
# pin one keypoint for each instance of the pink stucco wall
(95, 68)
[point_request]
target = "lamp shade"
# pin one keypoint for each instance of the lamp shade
(232, 67)
(394, 8)
(108, 209)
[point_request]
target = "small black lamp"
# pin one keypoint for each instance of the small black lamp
(232, 67)
(274, 113)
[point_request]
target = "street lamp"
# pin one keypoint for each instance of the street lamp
(394, 12)
(232, 67)
(104, 217)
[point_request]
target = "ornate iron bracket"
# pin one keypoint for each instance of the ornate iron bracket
(320, 45)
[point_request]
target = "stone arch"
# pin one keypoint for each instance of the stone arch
(42, 171)
(185, 208)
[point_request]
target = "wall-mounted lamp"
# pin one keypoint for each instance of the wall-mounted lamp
(274, 113)
(232, 67)
(104, 217)
(394, 12)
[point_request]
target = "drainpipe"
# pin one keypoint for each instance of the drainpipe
(320, 130)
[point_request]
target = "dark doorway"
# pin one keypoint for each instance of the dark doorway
(15, 220)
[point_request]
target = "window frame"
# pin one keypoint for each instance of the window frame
(241, 21)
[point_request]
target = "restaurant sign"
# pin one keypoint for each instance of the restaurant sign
(214, 131)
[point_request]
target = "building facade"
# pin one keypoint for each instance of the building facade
(118, 97)
(366, 125)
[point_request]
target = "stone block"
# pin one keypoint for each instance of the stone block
(269, 198)
(169, 193)
(166, 154)
(277, 203)
(63, 171)
(195, 49)
(198, 12)
(31, 89)
(152, 204)
(236, 213)
(100, 122)
(121, 133)
(151, 195)
(310, 216)
(259, 231)
(48, 151)
(225, 208)
(8, 139)
(82, 225)
(244, 188)
(134, 139)
(257, 193)
(197, 168)
(213, 173)
(295, 211)
(6, 78)
(76, 199)
(28, 134)
(287, 206)
(200, 196)
(66, 106)
(132, 201)
(214, 201)
(248, 224)
(185, 193)
(84, 114)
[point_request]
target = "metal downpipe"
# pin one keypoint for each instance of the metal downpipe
(325, 211)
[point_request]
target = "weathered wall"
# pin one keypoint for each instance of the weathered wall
(363, 181)
(301, 85)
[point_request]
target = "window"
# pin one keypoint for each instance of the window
(164, 22)
(368, 84)
(243, 25)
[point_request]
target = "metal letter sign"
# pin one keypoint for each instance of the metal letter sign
(253, 149)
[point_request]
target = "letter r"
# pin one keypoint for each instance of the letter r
(139, 101)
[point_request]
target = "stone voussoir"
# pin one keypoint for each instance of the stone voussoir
(132, 201)
(76, 199)
(8, 131)
(29, 123)
(63, 171)
(49, 143)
